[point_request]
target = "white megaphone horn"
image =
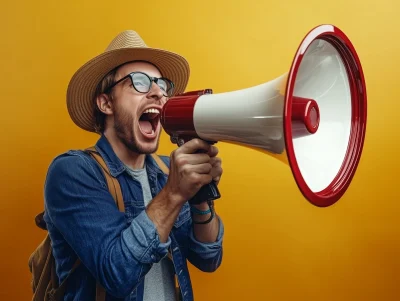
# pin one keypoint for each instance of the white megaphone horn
(313, 117)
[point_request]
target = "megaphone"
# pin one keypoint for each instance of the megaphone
(313, 118)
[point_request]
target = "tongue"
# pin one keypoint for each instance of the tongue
(146, 126)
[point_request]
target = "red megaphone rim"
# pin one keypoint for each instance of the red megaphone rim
(338, 186)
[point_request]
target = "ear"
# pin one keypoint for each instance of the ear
(104, 104)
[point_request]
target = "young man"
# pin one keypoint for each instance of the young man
(119, 95)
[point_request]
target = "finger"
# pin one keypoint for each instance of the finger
(204, 168)
(194, 146)
(203, 179)
(193, 159)
(215, 161)
(216, 172)
(199, 180)
(213, 151)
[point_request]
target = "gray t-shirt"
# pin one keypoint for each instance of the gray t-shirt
(159, 284)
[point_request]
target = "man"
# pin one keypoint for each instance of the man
(119, 95)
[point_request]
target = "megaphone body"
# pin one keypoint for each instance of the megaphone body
(313, 118)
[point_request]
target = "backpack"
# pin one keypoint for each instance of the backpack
(44, 281)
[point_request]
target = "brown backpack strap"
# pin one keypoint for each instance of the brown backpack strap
(100, 293)
(115, 190)
(112, 183)
(160, 163)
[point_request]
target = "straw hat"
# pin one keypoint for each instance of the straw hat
(125, 47)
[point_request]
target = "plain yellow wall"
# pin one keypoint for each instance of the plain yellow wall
(277, 245)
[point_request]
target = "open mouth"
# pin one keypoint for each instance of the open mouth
(149, 121)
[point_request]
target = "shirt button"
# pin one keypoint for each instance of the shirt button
(153, 257)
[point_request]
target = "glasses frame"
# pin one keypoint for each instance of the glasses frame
(169, 92)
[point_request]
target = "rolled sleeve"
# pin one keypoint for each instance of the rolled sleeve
(210, 249)
(206, 256)
(143, 234)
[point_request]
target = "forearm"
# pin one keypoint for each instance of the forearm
(163, 211)
(205, 232)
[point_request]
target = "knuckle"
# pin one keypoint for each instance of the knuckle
(185, 170)
(195, 179)
(206, 157)
(216, 161)
(181, 161)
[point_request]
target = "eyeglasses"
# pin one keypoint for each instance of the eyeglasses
(143, 82)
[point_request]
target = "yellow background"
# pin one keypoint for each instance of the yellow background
(277, 245)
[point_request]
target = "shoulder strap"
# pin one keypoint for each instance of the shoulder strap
(115, 190)
(160, 163)
(112, 183)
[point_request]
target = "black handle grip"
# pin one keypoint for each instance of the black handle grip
(206, 193)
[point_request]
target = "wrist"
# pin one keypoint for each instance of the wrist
(202, 213)
(162, 208)
(163, 214)
(172, 198)
(202, 206)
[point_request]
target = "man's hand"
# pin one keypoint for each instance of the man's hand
(192, 166)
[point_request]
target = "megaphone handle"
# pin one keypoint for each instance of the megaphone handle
(208, 192)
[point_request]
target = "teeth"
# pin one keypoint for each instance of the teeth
(152, 111)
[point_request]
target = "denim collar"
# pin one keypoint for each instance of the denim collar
(116, 166)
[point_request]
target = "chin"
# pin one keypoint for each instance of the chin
(146, 146)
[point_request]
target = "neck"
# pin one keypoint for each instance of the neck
(130, 158)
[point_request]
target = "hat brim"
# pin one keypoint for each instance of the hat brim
(82, 87)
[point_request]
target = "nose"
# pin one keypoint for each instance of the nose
(155, 92)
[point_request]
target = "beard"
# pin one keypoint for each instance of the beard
(123, 126)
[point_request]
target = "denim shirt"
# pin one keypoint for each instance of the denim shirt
(117, 249)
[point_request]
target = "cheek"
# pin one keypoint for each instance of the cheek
(128, 109)
(123, 115)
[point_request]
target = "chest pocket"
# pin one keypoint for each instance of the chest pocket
(183, 217)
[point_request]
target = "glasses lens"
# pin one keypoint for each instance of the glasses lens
(166, 86)
(141, 82)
